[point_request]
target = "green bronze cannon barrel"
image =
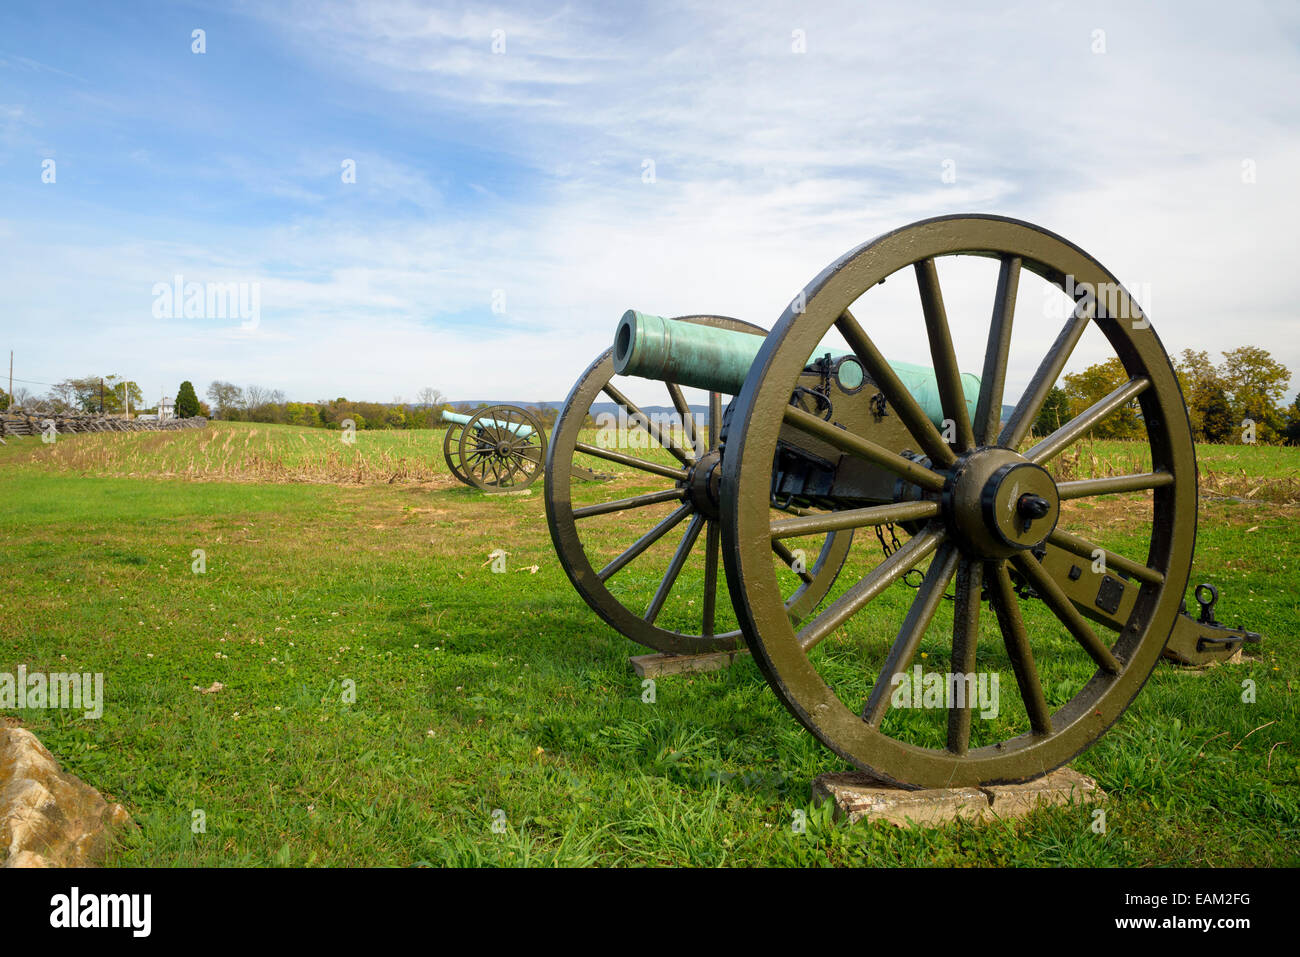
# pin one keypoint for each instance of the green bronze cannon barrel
(516, 428)
(716, 359)
(700, 356)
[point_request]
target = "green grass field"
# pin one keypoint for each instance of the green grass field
(332, 569)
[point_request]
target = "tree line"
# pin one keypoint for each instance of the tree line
(1239, 399)
(254, 403)
(109, 394)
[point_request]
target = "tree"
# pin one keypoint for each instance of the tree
(4, 400)
(1054, 413)
(1094, 383)
(1255, 383)
(1199, 381)
(129, 395)
(1218, 424)
(1293, 422)
(254, 396)
(227, 398)
(187, 403)
(91, 393)
(429, 397)
(302, 413)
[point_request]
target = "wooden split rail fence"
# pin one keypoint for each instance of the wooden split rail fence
(34, 423)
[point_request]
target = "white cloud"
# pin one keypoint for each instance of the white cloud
(768, 163)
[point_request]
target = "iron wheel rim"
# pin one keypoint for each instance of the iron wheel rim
(747, 470)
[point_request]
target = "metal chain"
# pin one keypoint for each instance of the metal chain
(884, 545)
(893, 545)
(913, 577)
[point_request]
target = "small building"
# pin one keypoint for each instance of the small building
(166, 408)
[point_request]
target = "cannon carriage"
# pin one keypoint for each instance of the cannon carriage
(496, 448)
(827, 444)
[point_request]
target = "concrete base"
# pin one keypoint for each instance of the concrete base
(507, 491)
(653, 666)
(858, 796)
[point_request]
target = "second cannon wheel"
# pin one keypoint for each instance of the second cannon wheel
(615, 546)
(502, 448)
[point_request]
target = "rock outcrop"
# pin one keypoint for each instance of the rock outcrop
(49, 818)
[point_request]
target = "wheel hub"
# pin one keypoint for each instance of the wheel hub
(703, 482)
(998, 503)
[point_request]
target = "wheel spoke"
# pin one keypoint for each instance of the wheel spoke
(1049, 370)
(988, 410)
(712, 548)
(684, 411)
(965, 636)
(823, 522)
(1056, 600)
(1086, 488)
(1086, 549)
(1007, 607)
(789, 557)
(715, 418)
(896, 394)
(946, 374)
(846, 441)
(622, 504)
(872, 584)
(1078, 426)
(632, 461)
(512, 468)
(646, 424)
(909, 637)
(644, 542)
(674, 568)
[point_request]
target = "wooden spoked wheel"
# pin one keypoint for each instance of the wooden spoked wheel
(502, 448)
(977, 524)
(451, 451)
(626, 582)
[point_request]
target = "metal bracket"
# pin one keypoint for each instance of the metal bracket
(1202, 640)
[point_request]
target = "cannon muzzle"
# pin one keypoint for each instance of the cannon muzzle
(716, 359)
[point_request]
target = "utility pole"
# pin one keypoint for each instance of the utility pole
(11, 377)
(101, 396)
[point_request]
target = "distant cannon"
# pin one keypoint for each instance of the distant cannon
(497, 448)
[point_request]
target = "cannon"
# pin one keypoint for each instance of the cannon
(824, 443)
(497, 448)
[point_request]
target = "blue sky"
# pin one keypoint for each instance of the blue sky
(519, 174)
